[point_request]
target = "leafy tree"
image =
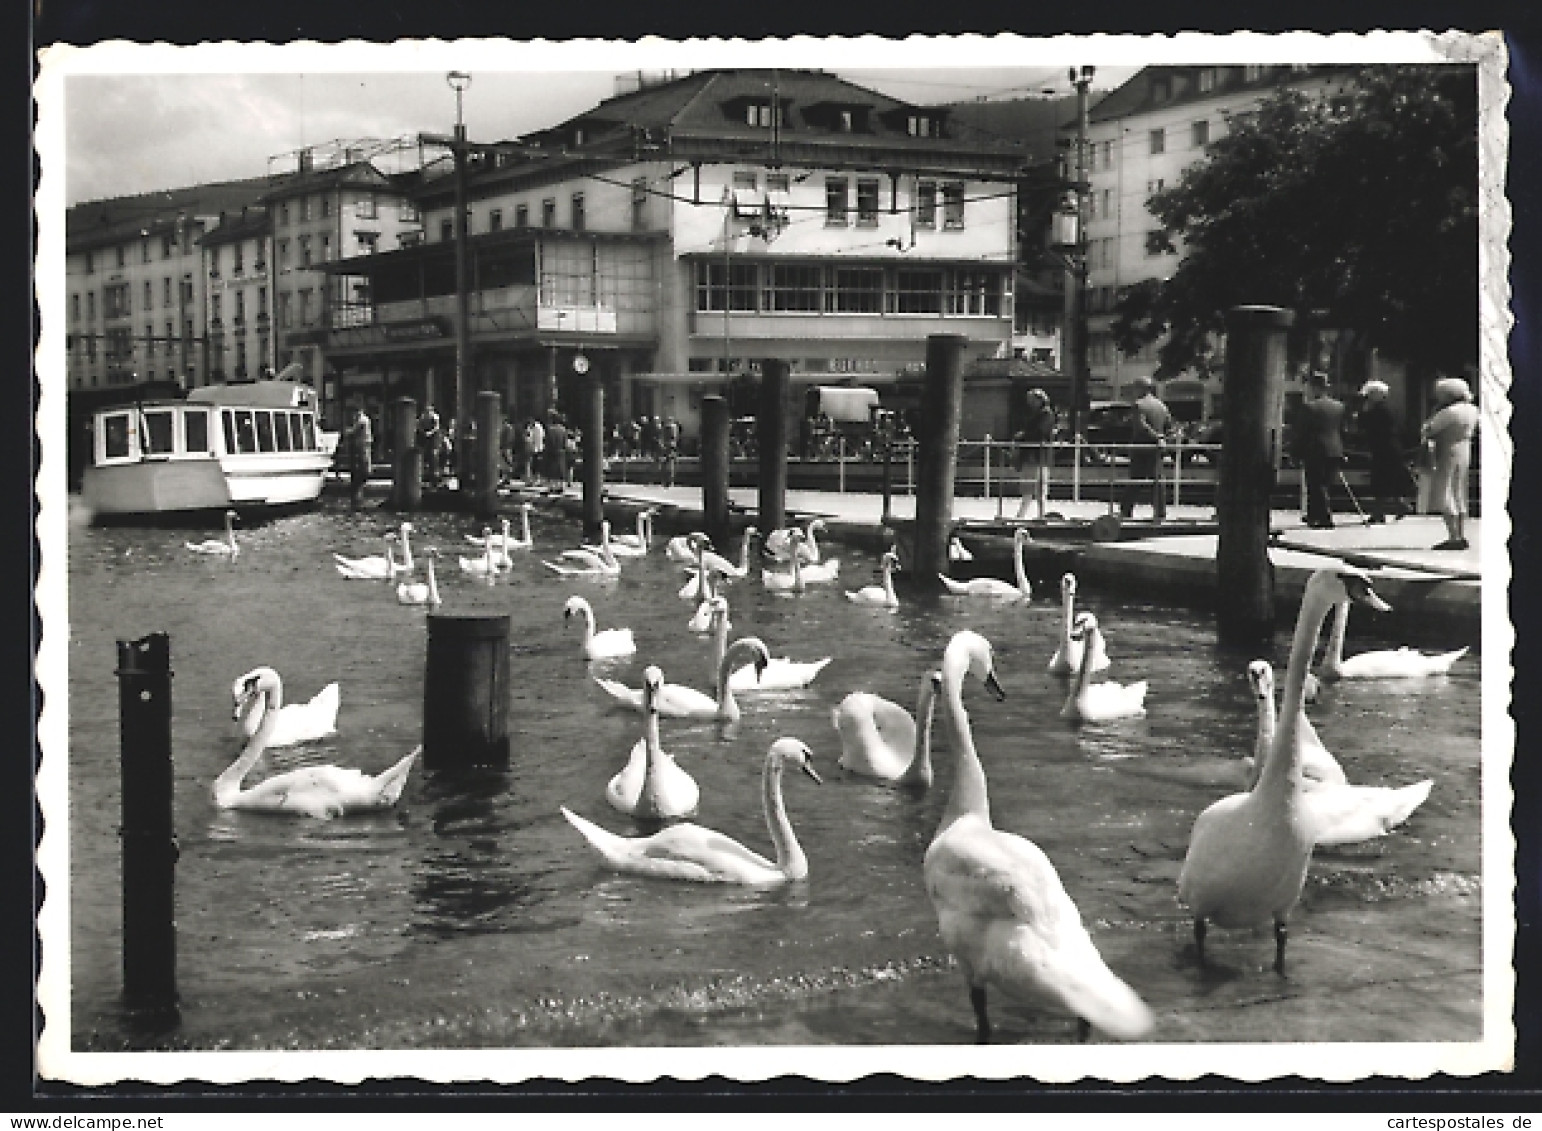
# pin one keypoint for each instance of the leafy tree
(1359, 212)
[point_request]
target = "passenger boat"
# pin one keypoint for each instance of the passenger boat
(249, 445)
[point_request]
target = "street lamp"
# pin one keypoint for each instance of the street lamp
(459, 81)
(1081, 78)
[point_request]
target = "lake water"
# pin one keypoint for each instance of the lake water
(476, 917)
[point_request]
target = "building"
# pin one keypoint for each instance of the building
(237, 253)
(675, 236)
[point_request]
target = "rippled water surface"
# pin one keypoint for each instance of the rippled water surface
(475, 916)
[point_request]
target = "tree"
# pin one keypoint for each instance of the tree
(1359, 212)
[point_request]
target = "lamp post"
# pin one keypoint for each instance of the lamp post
(459, 81)
(1081, 78)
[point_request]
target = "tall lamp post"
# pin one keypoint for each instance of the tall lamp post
(1076, 304)
(459, 81)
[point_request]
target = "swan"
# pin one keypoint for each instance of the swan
(1336, 812)
(406, 531)
(701, 619)
(779, 543)
(421, 592)
(880, 740)
(610, 644)
(993, 587)
(880, 595)
(776, 674)
(499, 544)
(506, 541)
(314, 791)
(958, 552)
(485, 566)
(1090, 702)
(1248, 853)
(372, 568)
(725, 567)
(592, 554)
(225, 547)
(651, 784)
(827, 570)
(635, 545)
(690, 852)
(586, 562)
(1318, 765)
(1067, 659)
(1000, 905)
(792, 581)
(682, 547)
(294, 722)
(1389, 663)
(702, 583)
(678, 702)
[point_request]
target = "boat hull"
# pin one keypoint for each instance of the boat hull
(149, 487)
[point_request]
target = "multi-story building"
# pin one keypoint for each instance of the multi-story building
(673, 237)
(237, 253)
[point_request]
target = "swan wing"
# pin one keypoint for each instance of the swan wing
(780, 675)
(1063, 967)
(877, 736)
(827, 570)
(957, 588)
(1346, 814)
(1398, 663)
(724, 858)
(612, 643)
(677, 701)
(621, 693)
(626, 787)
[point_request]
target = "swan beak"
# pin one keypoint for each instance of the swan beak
(808, 769)
(1359, 589)
(995, 687)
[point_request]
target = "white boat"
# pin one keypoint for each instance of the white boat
(248, 445)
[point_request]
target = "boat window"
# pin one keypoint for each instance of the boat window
(308, 422)
(281, 431)
(246, 432)
(296, 432)
(230, 431)
(195, 431)
(115, 436)
(158, 438)
(265, 431)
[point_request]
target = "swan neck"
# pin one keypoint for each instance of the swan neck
(433, 583)
(719, 641)
(1334, 658)
(1266, 728)
(1067, 614)
(744, 555)
(407, 549)
(888, 582)
(969, 797)
(790, 860)
(653, 761)
(1284, 762)
(1022, 569)
(588, 622)
(1084, 670)
(228, 785)
(524, 525)
(920, 768)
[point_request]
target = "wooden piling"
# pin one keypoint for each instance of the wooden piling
(771, 435)
(489, 424)
(149, 838)
(1250, 456)
(593, 427)
(942, 407)
(466, 693)
(714, 469)
(406, 460)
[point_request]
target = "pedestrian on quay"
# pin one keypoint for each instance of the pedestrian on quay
(535, 445)
(1318, 445)
(508, 449)
(1450, 431)
(1390, 481)
(671, 449)
(557, 451)
(1149, 426)
(428, 437)
(653, 439)
(633, 439)
(361, 450)
(1033, 452)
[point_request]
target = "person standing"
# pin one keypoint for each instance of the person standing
(671, 445)
(535, 443)
(1450, 431)
(1033, 452)
(1390, 483)
(361, 450)
(1149, 426)
(508, 442)
(1318, 445)
(428, 444)
(557, 452)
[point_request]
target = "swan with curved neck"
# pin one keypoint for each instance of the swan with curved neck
(651, 784)
(587, 562)
(880, 740)
(313, 791)
(777, 674)
(421, 592)
(703, 580)
(220, 547)
(485, 567)
(882, 596)
(1336, 812)
(1001, 908)
(1090, 702)
(780, 543)
(1067, 659)
(1248, 853)
(1388, 663)
(293, 723)
(372, 568)
(1318, 765)
(701, 619)
(992, 587)
(678, 702)
(792, 580)
(610, 644)
(691, 852)
(681, 549)
(635, 545)
(720, 564)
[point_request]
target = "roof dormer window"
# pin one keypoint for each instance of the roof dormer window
(923, 125)
(762, 114)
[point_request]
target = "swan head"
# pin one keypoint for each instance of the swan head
(817, 524)
(756, 645)
(890, 562)
(1261, 676)
(408, 528)
(969, 653)
(1068, 585)
(653, 686)
(257, 682)
(718, 606)
(931, 687)
(1021, 536)
(1341, 583)
(576, 606)
(232, 516)
(795, 752)
(1084, 625)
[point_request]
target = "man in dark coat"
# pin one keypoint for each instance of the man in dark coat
(1319, 447)
(557, 451)
(1149, 426)
(1390, 482)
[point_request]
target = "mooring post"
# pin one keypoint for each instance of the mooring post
(888, 478)
(942, 407)
(714, 469)
(149, 839)
(489, 424)
(406, 460)
(593, 426)
(771, 434)
(1250, 452)
(466, 693)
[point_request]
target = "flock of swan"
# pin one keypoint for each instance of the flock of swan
(1000, 905)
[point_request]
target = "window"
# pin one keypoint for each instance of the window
(1161, 90)
(326, 206)
(639, 204)
(262, 302)
(793, 288)
(364, 208)
(305, 306)
(171, 334)
(149, 339)
(149, 294)
(407, 212)
(305, 251)
(921, 125)
(926, 204)
(1092, 206)
(1156, 243)
(1206, 79)
(115, 436)
(578, 211)
(1159, 141)
(91, 348)
(305, 208)
(746, 179)
(1154, 185)
(761, 114)
(953, 204)
(495, 220)
(743, 285)
(144, 250)
(283, 255)
(74, 308)
(975, 292)
(778, 182)
(195, 431)
(166, 291)
(1108, 155)
(157, 430)
(236, 251)
(835, 201)
(283, 212)
(240, 311)
(264, 431)
(214, 310)
(168, 245)
(367, 241)
(522, 216)
(283, 311)
(115, 300)
(1108, 204)
(549, 212)
(326, 247)
(282, 438)
(91, 306)
(246, 431)
(120, 345)
(90, 263)
(119, 250)
(446, 231)
(1201, 133)
(867, 203)
(918, 292)
(1252, 72)
(857, 290)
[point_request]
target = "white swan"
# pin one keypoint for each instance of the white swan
(294, 722)
(586, 562)
(881, 595)
(701, 619)
(703, 582)
(610, 644)
(777, 674)
(223, 547)
(1067, 659)
(487, 565)
(1318, 765)
(499, 544)
(779, 543)
(314, 791)
(958, 552)
(678, 702)
(589, 554)
(727, 568)
(1248, 853)
(690, 852)
(372, 568)
(505, 541)
(1090, 702)
(820, 572)
(880, 740)
(651, 784)
(421, 592)
(681, 549)
(792, 580)
(1389, 663)
(1000, 905)
(635, 545)
(992, 587)
(1336, 812)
